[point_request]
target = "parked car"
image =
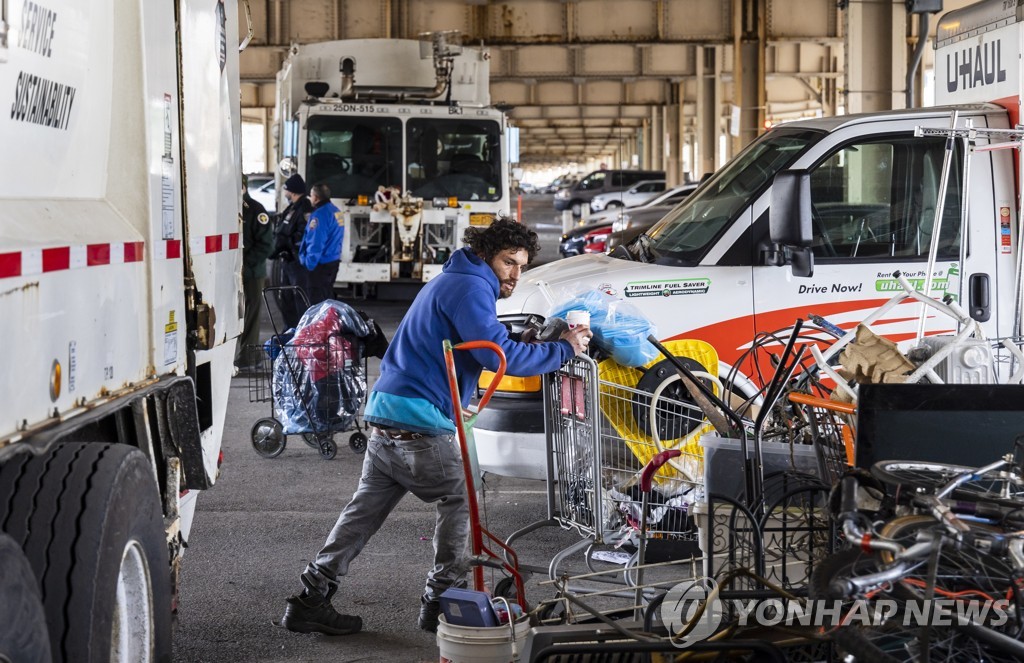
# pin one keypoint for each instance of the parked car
(573, 242)
(631, 226)
(561, 182)
(672, 196)
(263, 190)
(639, 193)
(596, 241)
(598, 182)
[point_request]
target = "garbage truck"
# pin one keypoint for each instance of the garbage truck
(120, 280)
(404, 134)
(715, 268)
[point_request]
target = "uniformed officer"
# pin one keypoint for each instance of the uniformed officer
(320, 252)
(257, 245)
(291, 226)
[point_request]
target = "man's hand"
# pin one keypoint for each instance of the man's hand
(579, 337)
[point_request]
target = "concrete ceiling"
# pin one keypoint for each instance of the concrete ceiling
(584, 77)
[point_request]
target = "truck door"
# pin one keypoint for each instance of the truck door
(873, 205)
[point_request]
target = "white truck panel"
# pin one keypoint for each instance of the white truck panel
(984, 67)
(385, 64)
(58, 92)
(212, 141)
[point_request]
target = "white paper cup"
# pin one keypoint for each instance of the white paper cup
(576, 318)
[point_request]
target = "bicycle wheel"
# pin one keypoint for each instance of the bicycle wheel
(998, 486)
(963, 573)
(892, 639)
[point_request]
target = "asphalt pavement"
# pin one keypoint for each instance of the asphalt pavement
(258, 527)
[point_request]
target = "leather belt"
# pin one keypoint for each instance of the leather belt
(398, 434)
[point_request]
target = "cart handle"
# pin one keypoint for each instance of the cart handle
(498, 375)
(647, 475)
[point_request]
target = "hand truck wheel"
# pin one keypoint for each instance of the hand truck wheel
(357, 442)
(328, 447)
(506, 588)
(310, 439)
(268, 437)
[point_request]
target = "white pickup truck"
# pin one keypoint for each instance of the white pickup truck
(713, 268)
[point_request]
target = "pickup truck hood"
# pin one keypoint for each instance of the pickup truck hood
(565, 277)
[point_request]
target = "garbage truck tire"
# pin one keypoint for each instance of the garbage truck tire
(89, 519)
(23, 634)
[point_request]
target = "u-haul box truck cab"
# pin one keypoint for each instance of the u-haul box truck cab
(120, 279)
(411, 116)
(710, 270)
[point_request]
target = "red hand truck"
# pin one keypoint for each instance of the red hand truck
(483, 555)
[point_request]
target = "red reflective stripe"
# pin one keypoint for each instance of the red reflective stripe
(213, 243)
(10, 265)
(56, 259)
(233, 241)
(133, 251)
(97, 254)
(173, 248)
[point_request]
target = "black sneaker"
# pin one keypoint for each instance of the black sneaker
(315, 614)
(430, 612)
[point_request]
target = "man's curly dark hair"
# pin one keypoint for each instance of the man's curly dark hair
(503, 233)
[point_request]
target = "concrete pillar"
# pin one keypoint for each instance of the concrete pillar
(708, 105)
(646, 162)
(876, 62)
(749, 78)
(657, 139)
(673, 175)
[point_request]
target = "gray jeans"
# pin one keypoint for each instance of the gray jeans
(431, 469)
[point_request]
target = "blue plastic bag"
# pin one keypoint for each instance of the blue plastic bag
(619, 328)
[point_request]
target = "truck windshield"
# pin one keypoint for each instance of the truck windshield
(687, 231)
(454, 157)
(353, 155)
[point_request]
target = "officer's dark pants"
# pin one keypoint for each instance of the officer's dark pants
(252, 290)
(321, 281)
(292, 306)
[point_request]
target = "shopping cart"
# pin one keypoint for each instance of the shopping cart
(601, 432)
(313, 376)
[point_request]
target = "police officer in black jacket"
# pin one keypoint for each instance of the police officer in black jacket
(291, 226)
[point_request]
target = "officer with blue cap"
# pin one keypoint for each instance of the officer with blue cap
(320, 251)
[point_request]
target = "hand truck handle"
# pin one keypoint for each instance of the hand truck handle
(498, 375)
(647, 475)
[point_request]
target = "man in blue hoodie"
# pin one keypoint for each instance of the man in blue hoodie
(320, 251)
(412, 446)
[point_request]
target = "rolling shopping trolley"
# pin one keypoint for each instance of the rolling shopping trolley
(313, 376)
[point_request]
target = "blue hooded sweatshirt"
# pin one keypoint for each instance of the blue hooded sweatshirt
(412, 392)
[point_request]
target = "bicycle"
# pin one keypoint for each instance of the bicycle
(960, 553)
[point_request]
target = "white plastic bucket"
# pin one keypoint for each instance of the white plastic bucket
(479, 644)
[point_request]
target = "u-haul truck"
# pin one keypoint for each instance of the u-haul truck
(120, 265)
(404, 134)
(710, 269)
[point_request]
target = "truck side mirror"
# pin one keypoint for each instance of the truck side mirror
(789, 219)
